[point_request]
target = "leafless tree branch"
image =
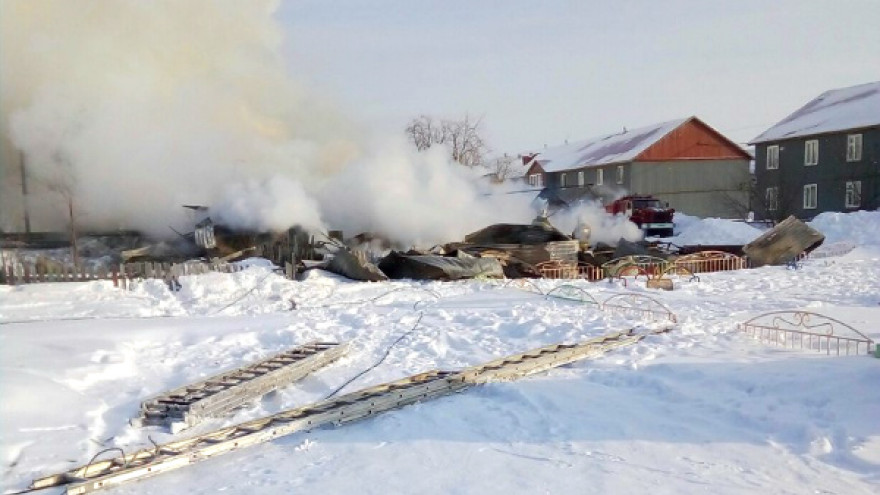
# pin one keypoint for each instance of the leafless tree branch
(461, 137)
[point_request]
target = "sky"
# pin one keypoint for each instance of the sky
(540, 73)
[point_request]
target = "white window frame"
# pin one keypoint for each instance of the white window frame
(600, 177)
(620, 174)
(811, 196)
(581, 178)
(536, 180)
(773, 157)
(811, 152)
(562, 179)
(771, 198)
(854, 147)
(853, 194)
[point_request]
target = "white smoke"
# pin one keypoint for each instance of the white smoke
(604, 227)
(131, 109)
(268, 205)
(135, 108)
(415, 198)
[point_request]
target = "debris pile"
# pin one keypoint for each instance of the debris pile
(496, 251)
(783, 243)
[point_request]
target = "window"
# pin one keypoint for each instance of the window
(581, 179)
(811, 152)
(810, 194)
(536, 180)
(562, 180)
(620, 174)
(771, 198)
(854, 147)
(773, 157)
(853, 194)
(600, 177)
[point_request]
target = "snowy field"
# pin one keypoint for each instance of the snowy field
(701, 409)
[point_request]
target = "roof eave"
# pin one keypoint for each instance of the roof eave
(759, 140)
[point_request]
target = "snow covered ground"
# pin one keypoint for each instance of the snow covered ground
(702, 409)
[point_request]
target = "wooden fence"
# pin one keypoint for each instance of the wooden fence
(15, 272)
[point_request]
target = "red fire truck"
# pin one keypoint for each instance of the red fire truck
(645, 211)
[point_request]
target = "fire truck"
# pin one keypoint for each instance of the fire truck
(652, 216)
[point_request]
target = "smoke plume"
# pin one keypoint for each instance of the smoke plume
(129, 109)
(604, 228)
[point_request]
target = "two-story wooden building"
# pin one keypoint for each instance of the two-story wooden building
(823, 157)
(684, 162)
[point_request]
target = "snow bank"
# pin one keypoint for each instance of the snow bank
(860, 227)
(703, 407)
(693, 230)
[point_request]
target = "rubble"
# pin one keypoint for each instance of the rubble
(344, 262)
(783, 244)
(398, 265)
(524, 244)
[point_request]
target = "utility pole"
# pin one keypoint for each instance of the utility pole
(74, 251)
(24, 194)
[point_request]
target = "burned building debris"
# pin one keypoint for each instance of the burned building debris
(530, 244)
(353, 265)
(398, 265)
(784, 243)
(497, 251)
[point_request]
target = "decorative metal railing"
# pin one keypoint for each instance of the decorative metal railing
(522, 284)
(557, 269)
(711, 261)
(572, 293)
(806, 330)
(634, 265)
(637, 304)
(682, 271)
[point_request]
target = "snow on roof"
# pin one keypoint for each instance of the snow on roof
(612, 148)
(836, 110)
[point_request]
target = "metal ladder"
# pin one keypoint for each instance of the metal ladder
(350, 407)
(215, 396)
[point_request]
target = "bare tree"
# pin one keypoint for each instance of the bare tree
(461, 137)
(777, 201)
(502, 167)
(742, 200)
(424, 132)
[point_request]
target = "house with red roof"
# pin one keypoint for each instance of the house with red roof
(683, 162)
